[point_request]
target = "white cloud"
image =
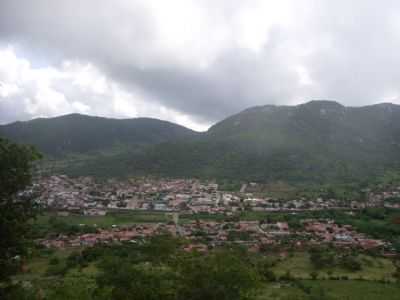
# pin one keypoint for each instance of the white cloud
(194, 61)
(73, 87)
(7, 89)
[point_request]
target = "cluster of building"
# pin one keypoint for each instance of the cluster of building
(86, 196)
(257, 236)
(343, 236)
(390, 197)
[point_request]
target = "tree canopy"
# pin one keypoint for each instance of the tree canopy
(15, 208)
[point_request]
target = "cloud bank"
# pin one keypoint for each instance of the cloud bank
(193, 62)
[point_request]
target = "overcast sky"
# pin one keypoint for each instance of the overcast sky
(193, 62)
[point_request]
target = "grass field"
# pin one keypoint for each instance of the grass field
(361, 285)
(297, 264)
(112, 218)
(133, 217)
(121, 218)
(366, 284)
(319, 289)
(300, 267)
(333, 290)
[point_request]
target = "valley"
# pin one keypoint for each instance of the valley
(302, 201)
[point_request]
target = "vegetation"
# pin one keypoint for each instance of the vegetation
(319, 149)
(317, 142)
(15, 210)
(323, 257)
(158, 268)
(331, 289)
(46, 223)
(80, 134)
(376, 222)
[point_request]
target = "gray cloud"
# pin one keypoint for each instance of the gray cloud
(203, 60)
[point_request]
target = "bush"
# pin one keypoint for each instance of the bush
(57, 269)
(54, 260)
(314, 275)
(287, 276)
(269, 275)
(351, 263)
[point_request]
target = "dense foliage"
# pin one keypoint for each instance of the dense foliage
(157, 269)
(15, 210)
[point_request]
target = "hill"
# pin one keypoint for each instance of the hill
(316, 141)
(82, 134)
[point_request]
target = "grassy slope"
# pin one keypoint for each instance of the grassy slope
(336, 290)
(299, 265)
(320, 141)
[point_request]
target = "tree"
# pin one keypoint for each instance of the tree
(121, 280)
(219, 275)
(351, 263)
(396, 245)
(15, 209)
(322, 258)
(314, 275)
(318, 293)
(76, 287)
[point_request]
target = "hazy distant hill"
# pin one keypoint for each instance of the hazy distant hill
(76, 133)
(317, 127)
(319, 140)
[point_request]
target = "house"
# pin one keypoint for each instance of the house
(94, 212)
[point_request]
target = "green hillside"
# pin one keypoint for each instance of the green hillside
(316, 141)
(82, 134)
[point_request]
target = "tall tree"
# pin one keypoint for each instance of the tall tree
(220, 275)
(15, 209)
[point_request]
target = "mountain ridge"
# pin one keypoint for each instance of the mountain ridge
(317, 140)
(83, 133)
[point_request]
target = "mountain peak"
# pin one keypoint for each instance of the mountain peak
(386, 105)
(328, 104)
(78, 133)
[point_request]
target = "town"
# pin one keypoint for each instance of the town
(84, 195)
(256, 236)
(64, 196)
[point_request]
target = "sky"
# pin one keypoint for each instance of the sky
(193, 62)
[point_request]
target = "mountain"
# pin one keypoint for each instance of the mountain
(81, 134)
(317, 127)
(315, 141)
(318, 141)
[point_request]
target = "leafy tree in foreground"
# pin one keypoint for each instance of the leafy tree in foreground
(15, 175)
(121, 280)
(322, 257)
(218, 275)
(76, 287)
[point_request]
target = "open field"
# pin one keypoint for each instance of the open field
(370, 288)
(299, 267)
(134, 217)
(332, 290)
(119, 218)
(297, 264)
(113, 218)
(294, 273)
